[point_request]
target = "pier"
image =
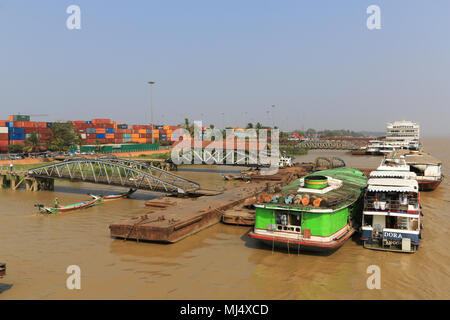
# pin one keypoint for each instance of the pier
(15, 179)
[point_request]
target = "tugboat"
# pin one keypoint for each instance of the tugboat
(318, 212)
(392, 210)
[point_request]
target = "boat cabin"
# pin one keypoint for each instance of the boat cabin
(391, 215)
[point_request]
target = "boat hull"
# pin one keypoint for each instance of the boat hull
(428, 185)
(71, 208)
(304, 244)
(119, 196)
(2, 269)
(372, 246)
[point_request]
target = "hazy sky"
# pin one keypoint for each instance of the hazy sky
(316, 61)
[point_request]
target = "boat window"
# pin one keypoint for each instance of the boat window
(368, 220)
(295, 220)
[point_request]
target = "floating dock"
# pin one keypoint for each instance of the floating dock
(171, 219)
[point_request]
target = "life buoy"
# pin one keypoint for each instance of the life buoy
(305, 200)
(317, 202)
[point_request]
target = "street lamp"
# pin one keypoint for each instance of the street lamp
(151, 83)
(273, 116)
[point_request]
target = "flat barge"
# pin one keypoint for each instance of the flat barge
(172, 219)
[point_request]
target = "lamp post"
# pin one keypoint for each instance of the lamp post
(273, 116)
(151, 83)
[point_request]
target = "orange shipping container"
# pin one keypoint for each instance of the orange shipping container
(100, 130)
(109, 136)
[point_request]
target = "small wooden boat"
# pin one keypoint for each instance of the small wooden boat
(231, 177)
(119, 196)
(70, 207)
(2, 269)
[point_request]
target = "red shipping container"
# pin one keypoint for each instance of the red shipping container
(17, 142)
(4, 136)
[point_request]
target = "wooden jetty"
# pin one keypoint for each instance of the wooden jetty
(15, 179)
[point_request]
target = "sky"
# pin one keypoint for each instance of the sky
(227, 62)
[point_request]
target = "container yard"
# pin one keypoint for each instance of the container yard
(114, 136)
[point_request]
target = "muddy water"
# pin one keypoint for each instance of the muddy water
(219, 262)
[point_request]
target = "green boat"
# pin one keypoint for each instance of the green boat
(318, 212)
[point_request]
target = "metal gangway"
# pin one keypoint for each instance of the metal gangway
(118, 172)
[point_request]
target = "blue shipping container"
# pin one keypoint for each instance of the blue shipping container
(17, 130)
(17, 137)
(109, 130)
(90, 130)
(100, 136)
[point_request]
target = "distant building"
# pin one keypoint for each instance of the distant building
(402, 133)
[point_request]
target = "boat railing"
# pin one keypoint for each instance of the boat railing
(392, 205)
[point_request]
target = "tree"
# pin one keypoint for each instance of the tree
(15, 148)
(32, 143)
(249, 125)
(188, 126)
(79, 141)
(259, 126)
(63, 136)
(98, 146)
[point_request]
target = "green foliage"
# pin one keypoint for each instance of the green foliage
(292, 150)
(15, 148)
(32, 143)
(63, 136)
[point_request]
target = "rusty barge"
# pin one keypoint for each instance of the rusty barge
(171, 219)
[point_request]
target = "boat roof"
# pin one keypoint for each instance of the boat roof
(353, 184)
(392, 185)
(412, 158)
(393, 164)
(393, 174)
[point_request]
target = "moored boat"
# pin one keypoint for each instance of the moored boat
(70, 207)
(392, 210)
(427, 168)
(2, 269)
(119, 196)
(316, 213)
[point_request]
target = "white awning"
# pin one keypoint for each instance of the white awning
(393, 174)
(412, 183)
(377, 188)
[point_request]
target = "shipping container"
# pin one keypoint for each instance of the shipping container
(100, 136)
(19, 117)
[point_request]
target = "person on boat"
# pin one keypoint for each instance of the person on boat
(56, 203)
(11, 168)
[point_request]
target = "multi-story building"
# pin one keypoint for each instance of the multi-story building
(402, 134)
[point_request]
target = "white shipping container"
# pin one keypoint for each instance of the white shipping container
(83, 136)
(3, 129)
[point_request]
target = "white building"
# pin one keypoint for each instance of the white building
(402, 133)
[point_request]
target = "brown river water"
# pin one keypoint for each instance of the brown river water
(220, 262)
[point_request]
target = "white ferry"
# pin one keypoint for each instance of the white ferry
(392, 210)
